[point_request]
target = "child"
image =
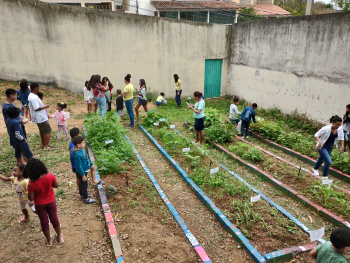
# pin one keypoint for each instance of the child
(234, 111)
(82, 166)
(346, 122)
(73, 133)
(21, 188)
(17, 137)
(120, 105)
(247, 114)
(61, 119)
(334, 250)
(108, 94)
(22, 95)
(160, 100)
(86, 96)
(40, 190)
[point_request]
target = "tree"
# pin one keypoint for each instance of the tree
(248, 14)
(343, 4)
(295, 7)
(322, 8)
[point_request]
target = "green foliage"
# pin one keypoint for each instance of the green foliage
(110, 190)
(248, 14)
(153, 117)
(301, 143)
(268, 129)
(343, 4)
(211, 117)
(220, 133)
(247, 152)
(295, 7)
(341, 161)
(109, 157)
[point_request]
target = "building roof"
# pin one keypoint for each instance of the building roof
(194, 5)
(270, 10)
(261, 9)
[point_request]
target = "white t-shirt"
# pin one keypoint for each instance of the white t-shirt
(234, 112)
(35, 103)
(347, 125)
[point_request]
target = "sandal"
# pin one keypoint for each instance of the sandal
(60, 242)
(99, 182)
(89, 201)
(47, 244)
(82, 197)
(23, 220)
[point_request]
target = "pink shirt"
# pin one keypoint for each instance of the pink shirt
(60, 115)
(99, 90)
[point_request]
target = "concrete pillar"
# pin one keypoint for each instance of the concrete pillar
(208, 16)
(178, 15)
(309, 5)
(236, 16)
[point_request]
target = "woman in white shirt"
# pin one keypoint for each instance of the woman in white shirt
(326, 138)
(142, 98)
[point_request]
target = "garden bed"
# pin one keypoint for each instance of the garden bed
(263, 225)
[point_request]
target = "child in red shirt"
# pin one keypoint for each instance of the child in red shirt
(40, 191)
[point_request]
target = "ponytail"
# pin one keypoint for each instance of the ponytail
(197, 94)
(127, 77)
(335, 119)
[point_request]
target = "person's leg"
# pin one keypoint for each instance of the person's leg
(52, 212)
(122, 117)
(201, 133)
(93, 174)
(47, 138)
(327, 161)
(242, 128)
(197, 136)
(320, 159)
(59, 131)
(95, 106)
(44, 222)
(42, 138)
(64, 127)
(180, 97)
(177, 98)
(137, 111)
(247, 129)
(145, 108)
(18, 154)
(128, 105)
(22, 206)
(98, 101)
(104, 106)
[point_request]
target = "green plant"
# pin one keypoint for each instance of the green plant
(211, 117)
(247, 152)
(219, 133)
(341, 161)
(153, 117)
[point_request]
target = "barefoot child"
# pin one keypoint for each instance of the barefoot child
(82, 166)
(61, 119)
(120, 105)
(40, 190)
(21, 188)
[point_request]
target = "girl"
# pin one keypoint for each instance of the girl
(91, 94)
(142, 98)
(198, 113)
(86, 96)
(108, 94)
(129, 100)
(160, 100)
(178, 84)
(61, 119)
(326, 137)
(99, 93)
(346, 121)
(21, 188)
(22, 94)
(40, 193)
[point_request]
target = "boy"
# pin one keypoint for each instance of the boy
(17, 137)
(40, 116)
(247, 114)
(73, 133)
(120, 106)
(82, 166)
(160, 100)
(234, 111)
(333, 251)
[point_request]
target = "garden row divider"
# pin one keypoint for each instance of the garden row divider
(112, 231)
(300, 156)
(191, 238)
(231, 228)
(289, 163)
(285, 253)
(288, 190)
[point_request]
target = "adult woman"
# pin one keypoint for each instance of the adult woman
(178, 84)
(99, 93)
(108, 94)
(198, 113)
(142, 98)
(129, 100)
(326, 137)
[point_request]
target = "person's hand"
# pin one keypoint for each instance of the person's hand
(189, 106)
(25, 140)
(47, 106)
(31, 203)
(84, 179)
(178, 93)
(341, 149)
(24, 121)
(62, 119)
(319, 146)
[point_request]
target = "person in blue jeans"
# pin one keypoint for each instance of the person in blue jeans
(326, 138)
(129, 99)
(246, 116)
(178, 92)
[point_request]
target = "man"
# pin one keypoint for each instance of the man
(39, 116)
(246, 116)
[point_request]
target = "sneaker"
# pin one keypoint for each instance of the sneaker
(129, 126)
(324, 178)
(247, 137)
(315, 172)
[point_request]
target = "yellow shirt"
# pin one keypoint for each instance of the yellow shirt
(21, 188)
(160, 99)
(129, 89)
(177, 84)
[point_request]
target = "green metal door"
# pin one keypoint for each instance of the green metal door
(212, 78)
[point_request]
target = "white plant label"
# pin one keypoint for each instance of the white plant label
(68, 115)
(109, 141)
(317, 234)
(327, 181)
(214, 170)
(156, 124)
(189, 98)
(253, 199)
(172, 126)
(185, 150)
(162, 119)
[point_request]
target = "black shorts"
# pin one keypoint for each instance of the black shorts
(199, 124)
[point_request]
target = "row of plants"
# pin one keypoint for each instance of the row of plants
(305, 144)
(110, 156)
(324, 195)
(262, 224)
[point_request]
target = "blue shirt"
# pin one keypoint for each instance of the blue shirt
(81, 161)
(247, 114)
(23, 97)
(71, 146)
(5, 107)
(15, 132)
